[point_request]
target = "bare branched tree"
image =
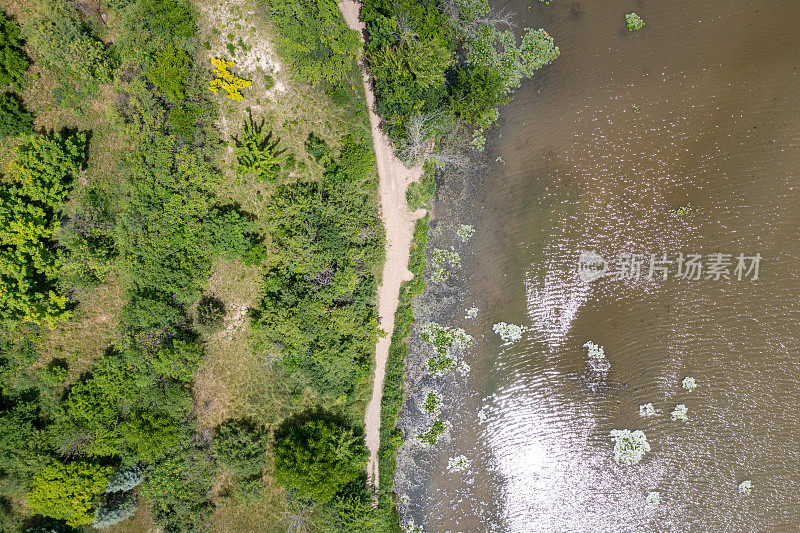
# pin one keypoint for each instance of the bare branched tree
(431, 137)
(466, 23)
(297, 516)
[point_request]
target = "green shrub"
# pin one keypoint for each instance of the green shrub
(13, 61)
(317, 454)
(115, 509)
(168, 73)
(148, 434)
(39, 178)
(357, 160)
(420, 193)
(182, 119)
(210, 313)
(168, 17)
(313, 36)
(14, 118)
(69, 491)
(54, 374)
(257, 154)
(241, 445)
(317, 147)
(634, 22)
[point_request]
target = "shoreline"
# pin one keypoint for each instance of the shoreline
(399, 222)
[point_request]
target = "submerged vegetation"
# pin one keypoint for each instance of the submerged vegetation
(508, 332)
(634, 22)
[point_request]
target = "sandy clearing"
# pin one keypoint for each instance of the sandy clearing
(399, 223)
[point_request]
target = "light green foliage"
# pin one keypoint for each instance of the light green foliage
(420, 193)
(36, 185)
(15, 119)
(168, 17)
(430, 436)
(629, 446)
(54, 374)
(257, 154)
(313, 36)
(357, 160)
(179, 360)
(148, 434)
(634, 22)
(476, 94)
(13, 61)
(318, 455)
(69, 491)
(168, 73)
(240, 445)
(183, 118)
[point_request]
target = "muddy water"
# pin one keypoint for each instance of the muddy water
(702, 106)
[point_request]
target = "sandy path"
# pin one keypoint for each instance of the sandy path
(399, 223)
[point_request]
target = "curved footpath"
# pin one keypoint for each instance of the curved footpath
(399, 223)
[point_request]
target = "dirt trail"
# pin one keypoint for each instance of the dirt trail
(399, 222)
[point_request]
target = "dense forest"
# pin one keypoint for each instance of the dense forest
(190, 250)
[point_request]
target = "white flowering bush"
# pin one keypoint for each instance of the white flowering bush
(508, 332)
(595, 351)
(653, 498)
(629, 446)
(745, 487)
(689, 383)
(465, 231)
(438, 259)
(679, 413)
(472, 312)
(459, 463)
(647, 409)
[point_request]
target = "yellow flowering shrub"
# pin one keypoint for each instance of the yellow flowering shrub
(225, 79)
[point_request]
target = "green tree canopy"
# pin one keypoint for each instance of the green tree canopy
(240, 445)
(68, 492)
(14, 118)
(13, 61)
(317, 454)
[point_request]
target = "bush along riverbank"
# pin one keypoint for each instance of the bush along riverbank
(441, 70)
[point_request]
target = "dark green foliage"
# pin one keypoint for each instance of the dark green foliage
(176, 488)
(316, 454)
(210, 314)
(148, 434)
(13, 61)
(183, 118)
(168, 73)
(30, 203)
(54, 374)
(240, 445)
(257, 154)
(411, 62)
(319, 293)
(168, 17)
(317, 147)
(15, 119)
(476, 92)
(357, 160)
(313, 36)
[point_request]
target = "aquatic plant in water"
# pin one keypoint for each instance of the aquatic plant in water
(465, 231)
(430, 436)
(635, 22)
(745, 487)
(445, 341)
(432, 403)
(653, 498)
(508, 332)
(463, 368)
(647, 409)
(411, 528)
(472, 312)
(679, 413)
(689, 383)
(438, 258)
(595, 350)
(629, 446)
(459, 463)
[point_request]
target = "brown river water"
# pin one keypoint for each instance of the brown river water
(701, 106)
